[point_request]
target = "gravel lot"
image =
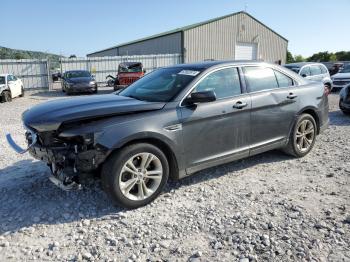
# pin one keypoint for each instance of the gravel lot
(270, 207)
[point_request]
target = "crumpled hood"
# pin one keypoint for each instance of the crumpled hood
(341, 75)
(50, 115)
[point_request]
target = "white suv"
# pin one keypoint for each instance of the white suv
(313, 72)
(342, 78)
(10, 87)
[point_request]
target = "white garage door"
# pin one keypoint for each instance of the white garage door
(246, 51)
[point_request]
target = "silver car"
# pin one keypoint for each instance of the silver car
(313, 72)
(342, 78)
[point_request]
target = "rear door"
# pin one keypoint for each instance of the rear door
(274, 106)
(217, 130)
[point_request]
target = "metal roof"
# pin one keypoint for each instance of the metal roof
(185, 28)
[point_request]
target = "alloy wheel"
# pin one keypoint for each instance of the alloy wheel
(140, 176)
(305, 135)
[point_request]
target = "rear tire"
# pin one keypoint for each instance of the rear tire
(6, 96)
(302, 137)
(135, 175)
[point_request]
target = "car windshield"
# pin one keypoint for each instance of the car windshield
(161, 85)
(135, 68)
(76, 74)
(2, 80)
(346, 69)
(293, 68)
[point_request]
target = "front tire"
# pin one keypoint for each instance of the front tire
(135, 175)
(302, 137)
(6, 96)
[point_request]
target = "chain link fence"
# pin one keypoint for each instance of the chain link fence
(36, 73)
(33, 72)
(101, 67)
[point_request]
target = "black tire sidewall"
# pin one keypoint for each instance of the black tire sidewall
(111, 173)
(302, 117)
(7, 96)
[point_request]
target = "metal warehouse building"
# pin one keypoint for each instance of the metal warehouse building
(235, 36)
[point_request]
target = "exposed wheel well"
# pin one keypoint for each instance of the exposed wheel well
(315, 116)
(173, 167)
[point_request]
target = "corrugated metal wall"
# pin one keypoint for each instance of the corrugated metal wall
(216, 40)
(103, 66)
(109, 52)
(33, 73)
(168, 44)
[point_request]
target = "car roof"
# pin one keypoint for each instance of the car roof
(4, 74)
(301, 64)
(207, 64)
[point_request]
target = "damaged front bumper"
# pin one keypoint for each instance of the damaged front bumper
(67, 161)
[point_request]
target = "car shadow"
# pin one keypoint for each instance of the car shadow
(338, 118)
(28, 198)
(230, 168)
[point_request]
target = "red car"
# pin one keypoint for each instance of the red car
(128, 73)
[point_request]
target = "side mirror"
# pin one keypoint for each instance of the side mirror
(144, 71)
(304, 75)
(200, 97)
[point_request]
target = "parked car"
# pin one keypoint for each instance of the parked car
(344, 100)
(128, 73)
(10, 87)
(174, 122)
(313, 72)
(78, 81)
(342, 78)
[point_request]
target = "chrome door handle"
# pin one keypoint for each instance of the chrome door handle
(240, 105)
(291, 96)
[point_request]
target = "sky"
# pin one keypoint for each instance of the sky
(80, 27)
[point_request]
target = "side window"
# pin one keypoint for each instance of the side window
(9, 78)
(324, 70)
(14, 78)
(315, 70)
(283, 80)
(260, 78)
(305, 71)
(224, 83)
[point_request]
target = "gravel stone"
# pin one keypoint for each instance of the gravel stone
(269, 207)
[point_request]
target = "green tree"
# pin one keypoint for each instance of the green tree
(320, 57)
(333, 58)
(290, 58)
(343, 56)
(299, 58)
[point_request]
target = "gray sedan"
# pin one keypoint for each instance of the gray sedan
(174, 122)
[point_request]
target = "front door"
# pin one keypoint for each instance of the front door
(274, 107)
(217, 131)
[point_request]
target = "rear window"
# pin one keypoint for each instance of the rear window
(324, 70)
(260, 78)
(315, 70)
